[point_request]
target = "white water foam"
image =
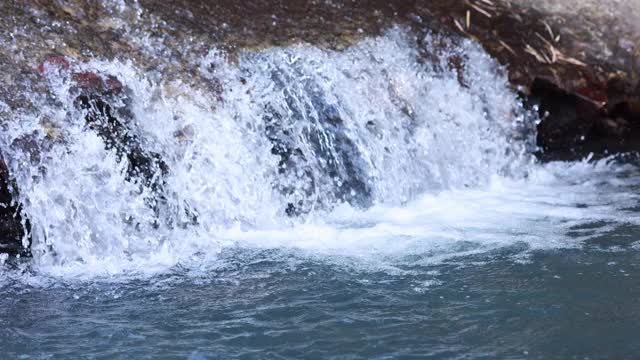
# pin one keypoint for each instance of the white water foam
(441, 158)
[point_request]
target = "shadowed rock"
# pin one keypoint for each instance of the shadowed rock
(574, 126)
(588, 100)
(14, 229)
(331, 173)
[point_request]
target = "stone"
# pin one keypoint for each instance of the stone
(15, 227)
(576, 126)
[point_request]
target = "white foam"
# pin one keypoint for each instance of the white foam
(545, 211)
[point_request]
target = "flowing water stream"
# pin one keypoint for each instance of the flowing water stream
(363, 203)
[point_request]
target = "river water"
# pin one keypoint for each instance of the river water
(362, 203)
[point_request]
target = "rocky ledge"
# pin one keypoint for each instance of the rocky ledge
(582, 80)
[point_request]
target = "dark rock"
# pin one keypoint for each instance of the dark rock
(15, 227)
(143, 165)
(575, 126)
(331, 170)
(568, 119)
(97, 93)
(145, 168)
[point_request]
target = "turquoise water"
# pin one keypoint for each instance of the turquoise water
(540, 276)
(581, 304)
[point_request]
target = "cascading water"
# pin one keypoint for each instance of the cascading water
(278, 148)
(286, 131)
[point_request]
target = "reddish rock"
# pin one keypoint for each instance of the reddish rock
(89, 81)
(53, 62)
(113, 84)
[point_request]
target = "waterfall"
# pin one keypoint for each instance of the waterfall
(119, 163)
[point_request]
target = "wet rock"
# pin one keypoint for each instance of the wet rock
(97, 93)
(143, 165)
(54, 62)
(588, 121)
(145, 168)
(327, 173)
(575, 126)
(533, 44)
(568, 119)
(319, 165)
(15, 228)
(590, 102)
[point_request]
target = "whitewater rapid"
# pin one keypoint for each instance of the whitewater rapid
(391, 161)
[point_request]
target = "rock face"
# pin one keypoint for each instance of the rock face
(547, 53)
(584, 82)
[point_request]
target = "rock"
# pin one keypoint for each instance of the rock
(589, 101)
(589, 98)
(568, 120)
(144, 167)
(97, 93)
(333, 172)
(575, 126)
(53, 62)
(535, 46)
(15, 228)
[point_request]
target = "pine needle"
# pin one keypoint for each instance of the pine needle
(506, 46)
(481, 10)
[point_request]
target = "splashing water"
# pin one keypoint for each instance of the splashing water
(372, 157)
